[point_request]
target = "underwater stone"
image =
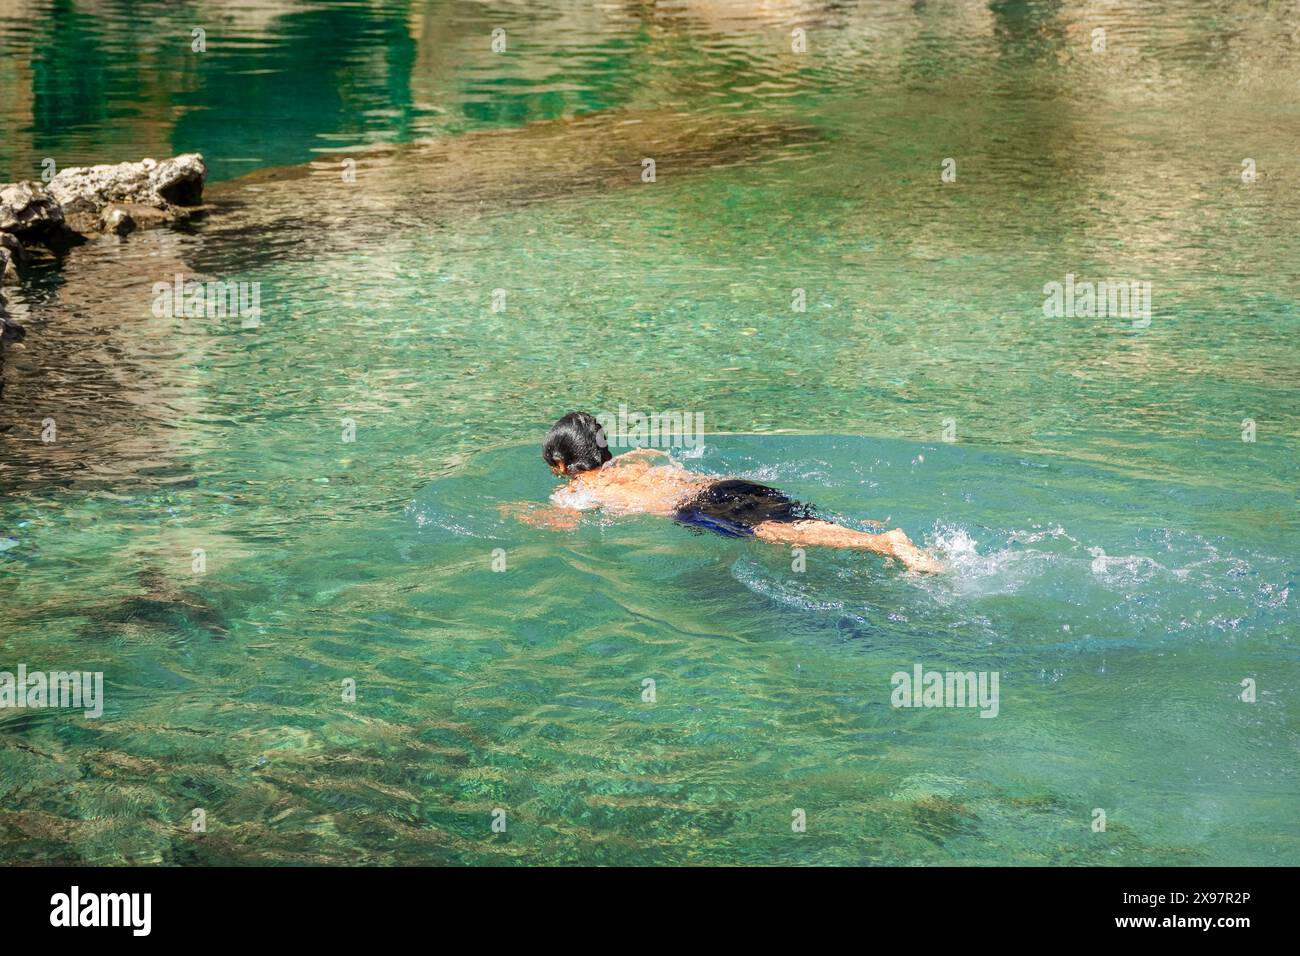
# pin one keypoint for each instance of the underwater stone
(123, 218)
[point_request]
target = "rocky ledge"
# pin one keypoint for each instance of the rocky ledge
(38, 220)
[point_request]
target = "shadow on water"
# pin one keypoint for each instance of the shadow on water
(161, 606)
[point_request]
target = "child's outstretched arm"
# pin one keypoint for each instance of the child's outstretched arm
(541, 516)
(824, 534)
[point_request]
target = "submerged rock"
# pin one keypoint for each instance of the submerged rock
(312, 210)
(121, 218)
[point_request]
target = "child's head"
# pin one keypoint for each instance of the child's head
(576, 443)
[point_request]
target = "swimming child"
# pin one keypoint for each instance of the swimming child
(647, 481)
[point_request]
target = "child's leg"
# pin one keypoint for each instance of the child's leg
(824, 534)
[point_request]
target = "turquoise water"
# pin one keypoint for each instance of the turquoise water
(1119, 555)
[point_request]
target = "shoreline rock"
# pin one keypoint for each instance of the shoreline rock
(123, 197)
(29, 213)
(12, 257)
(114, 199)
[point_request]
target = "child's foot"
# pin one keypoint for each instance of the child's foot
(923, 562)
(912, 557)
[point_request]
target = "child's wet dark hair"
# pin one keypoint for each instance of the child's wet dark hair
(578, 441)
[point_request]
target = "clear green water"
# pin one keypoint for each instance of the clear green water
(1118, 553)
